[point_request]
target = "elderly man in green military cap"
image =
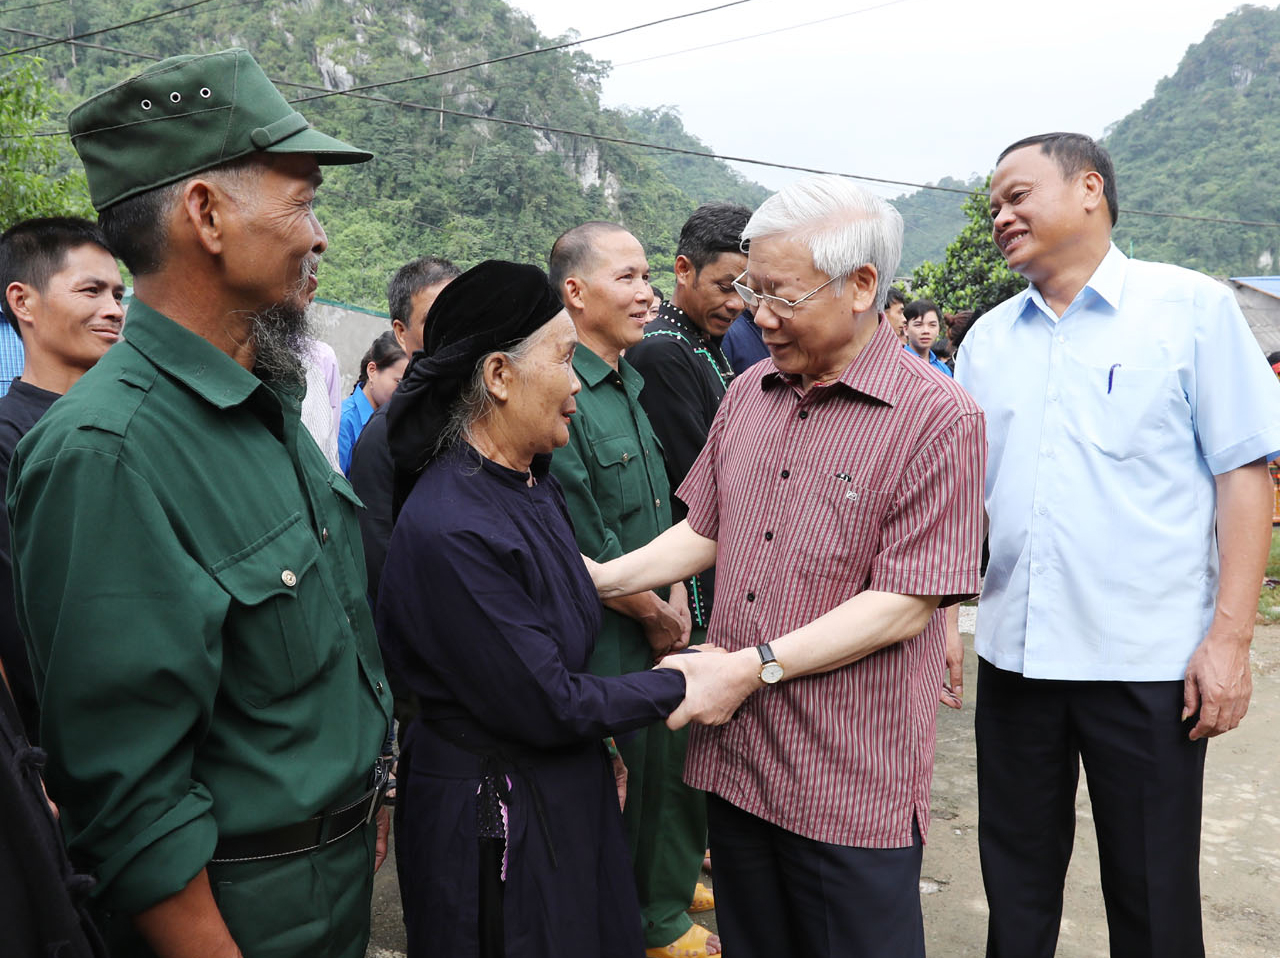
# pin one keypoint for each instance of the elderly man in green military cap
(188, 568)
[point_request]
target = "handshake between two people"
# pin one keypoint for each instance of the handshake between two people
(717, 682)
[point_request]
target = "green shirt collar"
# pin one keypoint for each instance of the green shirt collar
(191, 359)
(593, 370)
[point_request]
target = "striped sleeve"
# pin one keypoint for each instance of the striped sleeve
(931, 540)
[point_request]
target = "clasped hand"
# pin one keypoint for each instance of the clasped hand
(716, 684)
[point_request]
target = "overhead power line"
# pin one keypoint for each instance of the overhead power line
(29, 6)
(754, 36)
(656, 148)
(525, 53)
(82, 43)
(705, 154)
(117, 26)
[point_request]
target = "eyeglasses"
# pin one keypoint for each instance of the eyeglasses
(782, 308)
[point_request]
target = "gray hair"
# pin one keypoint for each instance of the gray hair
(475, 402)
(843, 225)
(138, 228)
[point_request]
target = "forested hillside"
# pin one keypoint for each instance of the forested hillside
(931, 219)
(1208, 143)
(459, 187)
(479, 184)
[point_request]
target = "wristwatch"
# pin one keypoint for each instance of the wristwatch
(771, 670)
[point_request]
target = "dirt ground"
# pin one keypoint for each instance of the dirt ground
(1240, 856)
(1240, 843)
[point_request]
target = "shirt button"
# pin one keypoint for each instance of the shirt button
(751, 596)
(785, 473)
(804, 414)
(626, 456)
(657, 503)
(378, 687)
(1048, 453)
(288, 578)
(1041, 510)
(324, 535)
(1053, 395)
(1062, 339)
(768, 536)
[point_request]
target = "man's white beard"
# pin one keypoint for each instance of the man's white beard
(280, 337)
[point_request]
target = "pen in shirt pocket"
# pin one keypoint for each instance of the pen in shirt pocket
(1111, 376)
(851, 494)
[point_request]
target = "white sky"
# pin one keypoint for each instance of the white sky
(909, 90)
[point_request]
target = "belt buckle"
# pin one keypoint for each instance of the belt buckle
(381, 780)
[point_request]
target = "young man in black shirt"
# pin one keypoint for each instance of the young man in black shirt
(60, 290)
(62, 293)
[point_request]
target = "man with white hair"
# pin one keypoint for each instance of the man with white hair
(816, 499)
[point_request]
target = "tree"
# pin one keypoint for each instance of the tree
(32, 180)
(973, 274)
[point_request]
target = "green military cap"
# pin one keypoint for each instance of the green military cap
(187, 114)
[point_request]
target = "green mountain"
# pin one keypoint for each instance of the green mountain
(465, 187)
(698, 177)
(1206, 145)
(453, 180)
(931, 219)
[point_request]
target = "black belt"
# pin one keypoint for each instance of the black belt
(316, 832)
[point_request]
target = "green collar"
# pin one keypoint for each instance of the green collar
(192, 360)
(593, 370)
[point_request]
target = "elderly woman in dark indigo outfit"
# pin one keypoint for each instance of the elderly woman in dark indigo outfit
(509, 838)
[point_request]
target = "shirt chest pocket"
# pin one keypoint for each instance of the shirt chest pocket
(836, 524)
(621, 484)
(1124, 411)
(280, 634)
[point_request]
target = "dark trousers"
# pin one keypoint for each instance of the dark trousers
(778, 893)
(1145, 784)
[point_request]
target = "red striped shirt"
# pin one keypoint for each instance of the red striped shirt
(873, 481)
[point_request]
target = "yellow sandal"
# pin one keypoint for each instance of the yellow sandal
(692, 944)
(703, 899)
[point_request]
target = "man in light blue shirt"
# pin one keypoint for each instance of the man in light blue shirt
(1130, 418)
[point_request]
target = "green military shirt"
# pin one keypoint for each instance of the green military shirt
(189, 574)
(615, 484)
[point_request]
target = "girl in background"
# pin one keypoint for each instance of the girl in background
(380, 372)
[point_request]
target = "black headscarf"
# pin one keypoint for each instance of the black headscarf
(488, 308)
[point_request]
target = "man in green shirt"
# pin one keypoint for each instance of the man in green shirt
(187, 567)
(615, 484)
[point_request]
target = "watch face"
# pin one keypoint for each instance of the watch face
(770, 673)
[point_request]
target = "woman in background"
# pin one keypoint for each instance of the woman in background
(380, 372)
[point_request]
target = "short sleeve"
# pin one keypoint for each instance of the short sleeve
(1236, 405)
(699, 491)
(931, 539)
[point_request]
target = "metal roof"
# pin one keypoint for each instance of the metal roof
(1259, 299)
(1263, 284)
